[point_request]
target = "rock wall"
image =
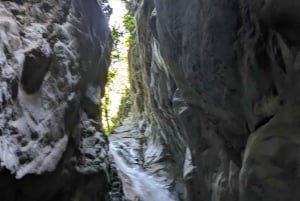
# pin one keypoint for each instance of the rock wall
(54, 57)
(216, 82)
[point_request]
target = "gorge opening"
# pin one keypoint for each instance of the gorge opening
(115, 105)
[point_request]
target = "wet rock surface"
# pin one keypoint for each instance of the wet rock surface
(123, 142)
(54, 57)
(216, 82)
(116, 187)
(141, 168)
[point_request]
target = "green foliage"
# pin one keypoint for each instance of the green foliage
(130, 26)
(116, 35)
(123, 111)
(106, 101)
(112, 73)
(129, 23)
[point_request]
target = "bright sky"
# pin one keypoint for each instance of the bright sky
(119, 11)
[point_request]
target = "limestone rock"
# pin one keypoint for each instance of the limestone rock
(54, 57)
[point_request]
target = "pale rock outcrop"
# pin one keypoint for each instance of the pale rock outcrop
(54, 57)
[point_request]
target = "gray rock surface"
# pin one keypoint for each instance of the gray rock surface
(216, 83)
(54, 57)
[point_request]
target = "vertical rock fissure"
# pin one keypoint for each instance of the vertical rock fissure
(141, 165)
(116, 101)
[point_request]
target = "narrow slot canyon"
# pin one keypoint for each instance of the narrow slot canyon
(149, 100)
(130, 157)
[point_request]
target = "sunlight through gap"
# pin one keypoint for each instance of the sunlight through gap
(118, 85)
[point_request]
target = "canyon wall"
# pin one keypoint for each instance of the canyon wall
(216, 83)
(54, 57)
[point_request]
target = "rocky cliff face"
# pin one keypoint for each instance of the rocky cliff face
(216, 82)
(54, 57)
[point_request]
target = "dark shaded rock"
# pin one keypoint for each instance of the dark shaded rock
(153, 24)
(35, 67)
(209, 74)
(284, 17)
(116, 186)
(16, 1)
(270, 170)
